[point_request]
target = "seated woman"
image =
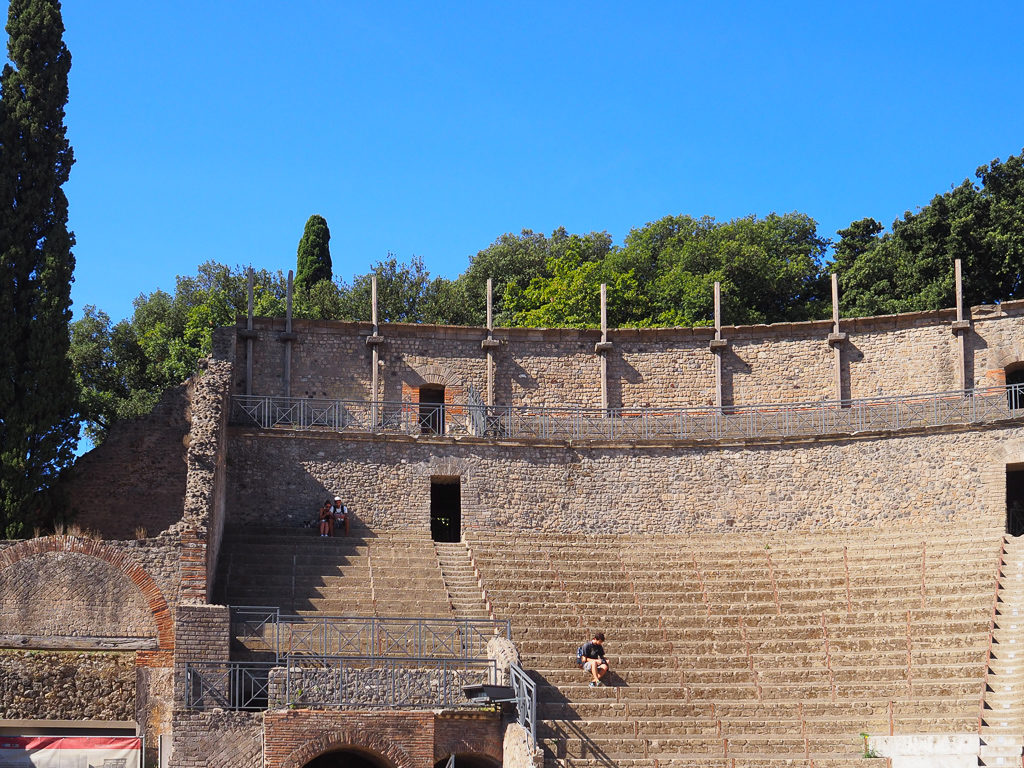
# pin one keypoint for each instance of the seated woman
(326, 518)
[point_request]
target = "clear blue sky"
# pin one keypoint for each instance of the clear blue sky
(212, 130)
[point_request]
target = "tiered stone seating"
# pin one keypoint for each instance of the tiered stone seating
(753, 649)
(365, 574)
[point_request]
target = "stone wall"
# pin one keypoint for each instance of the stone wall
(135, 479)
(667, 367)
(40, 685)
(944, 476)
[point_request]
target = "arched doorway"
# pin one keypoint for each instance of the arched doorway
(349, 758)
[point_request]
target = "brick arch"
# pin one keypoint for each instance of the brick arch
(343, 738)
(120, 560)
(461, 746)
(435, 373)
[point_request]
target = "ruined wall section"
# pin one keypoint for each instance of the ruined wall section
(647, 368)
(134, 482)
(941, 477)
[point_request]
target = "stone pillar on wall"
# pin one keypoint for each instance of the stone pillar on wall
(374, 341)
(603, 347)
(490, 343)
(960, 328)
(248, 334)
(836, 339)
(718, 345)
(287, 338)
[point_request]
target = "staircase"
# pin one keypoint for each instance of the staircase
(747, 652)
(365, 574)
(464, 592)
(1002, 728)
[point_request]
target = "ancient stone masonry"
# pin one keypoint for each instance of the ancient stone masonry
(203, 521)
(557, 488)
(36, 685)
(647, 368)
(135, 480)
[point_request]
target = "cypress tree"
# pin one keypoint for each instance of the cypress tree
(38, 406)
(314, 257)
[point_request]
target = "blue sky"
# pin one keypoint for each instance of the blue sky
(212, 130)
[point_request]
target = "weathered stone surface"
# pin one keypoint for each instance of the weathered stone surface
(36, 685)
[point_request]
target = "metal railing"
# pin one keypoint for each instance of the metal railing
(403, 682)
(775, 420)
(263, 629)
(526, 699)
(235, 685)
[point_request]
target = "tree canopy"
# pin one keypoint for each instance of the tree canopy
(38, 409)
(313, 260)
(771, 269)
(911, 267)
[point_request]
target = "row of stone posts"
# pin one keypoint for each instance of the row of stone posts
(489, 344)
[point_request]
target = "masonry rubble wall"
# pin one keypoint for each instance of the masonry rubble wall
(901, 479)
(647, 368)
(39, 685)
(135, 479)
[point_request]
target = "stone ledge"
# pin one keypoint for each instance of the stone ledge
(490, 344)
(716, 344)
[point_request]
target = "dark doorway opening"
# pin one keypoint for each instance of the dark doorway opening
(347, 758)
(1015, 499)
(432, 409)
(1014, 388)
(445, 509)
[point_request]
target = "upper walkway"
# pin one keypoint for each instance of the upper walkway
(747, 422)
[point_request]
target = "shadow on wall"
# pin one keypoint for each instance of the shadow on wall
(620, 371)
(136, 478)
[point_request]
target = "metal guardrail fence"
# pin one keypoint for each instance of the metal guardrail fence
(265, 629)
(526, 699)
(568, 423)
(235, 685)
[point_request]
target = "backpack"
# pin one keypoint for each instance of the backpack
(579, 657)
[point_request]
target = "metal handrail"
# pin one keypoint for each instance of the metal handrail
(365, 636)
(770, 420)
(525, 690)
(234, 685)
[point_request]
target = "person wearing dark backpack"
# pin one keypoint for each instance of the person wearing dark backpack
(594, 660)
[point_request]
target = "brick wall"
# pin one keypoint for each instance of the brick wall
(221, 739)
(902, 479)
(294, 737)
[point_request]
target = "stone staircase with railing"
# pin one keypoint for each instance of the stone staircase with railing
(744, 651)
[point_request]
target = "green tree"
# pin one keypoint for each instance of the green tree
(313, 262)
(122, 369)
(38, 409)
(911, 267)
(401, 292)
(770, 269)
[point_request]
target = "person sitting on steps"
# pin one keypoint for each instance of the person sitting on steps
(594, 661)
(325, 517)
(340, 512)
